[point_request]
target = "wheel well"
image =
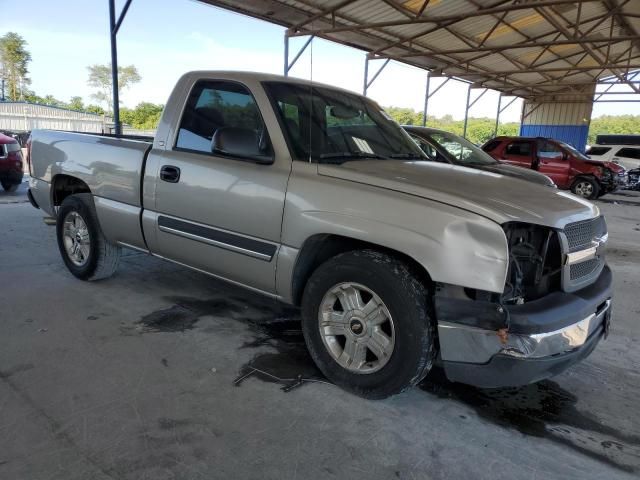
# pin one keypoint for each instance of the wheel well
(320, 248)
(65, 185)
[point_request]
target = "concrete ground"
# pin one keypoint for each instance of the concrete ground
(148, 375)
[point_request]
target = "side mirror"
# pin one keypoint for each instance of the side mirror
(565, 156)
(241, 143)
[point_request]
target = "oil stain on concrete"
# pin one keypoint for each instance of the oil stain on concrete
(272, 324)
(542, 410)
(545, 410)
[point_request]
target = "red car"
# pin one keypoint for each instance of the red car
(566, 166)
(10, 163)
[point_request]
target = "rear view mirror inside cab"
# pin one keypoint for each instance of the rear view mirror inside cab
(343, 112)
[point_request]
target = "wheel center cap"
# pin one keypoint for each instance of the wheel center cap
(357, 327)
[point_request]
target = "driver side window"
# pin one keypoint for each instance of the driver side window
(549, 150)
(216, 105)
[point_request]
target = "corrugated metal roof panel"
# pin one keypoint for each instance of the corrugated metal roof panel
(484, 31)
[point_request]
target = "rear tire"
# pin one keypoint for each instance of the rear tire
(586, 187)
(10, 187)
(84, 249)
(401, 311)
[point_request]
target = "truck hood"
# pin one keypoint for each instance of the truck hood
(492, 195)
(518, 172)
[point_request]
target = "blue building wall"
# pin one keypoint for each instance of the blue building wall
(565, 121)
(574, 135)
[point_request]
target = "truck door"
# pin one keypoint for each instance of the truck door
(519, 153)
(554, 162)
(219, 188)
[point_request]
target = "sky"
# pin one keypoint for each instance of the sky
(166, 38)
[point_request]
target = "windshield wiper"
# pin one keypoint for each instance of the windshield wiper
(414, 156)
(346, 156)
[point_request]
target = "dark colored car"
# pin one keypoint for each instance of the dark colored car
(441, 146)
(566, 166)
(10, 163)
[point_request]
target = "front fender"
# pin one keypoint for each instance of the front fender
(461, 251)
(454, 246)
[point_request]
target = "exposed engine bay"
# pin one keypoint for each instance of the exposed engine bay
(535, 262)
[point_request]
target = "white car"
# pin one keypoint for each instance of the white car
(626, 155)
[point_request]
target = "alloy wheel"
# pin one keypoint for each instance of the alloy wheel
(356, 328)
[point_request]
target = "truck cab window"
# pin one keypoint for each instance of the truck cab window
(213, 105)
(332, 126)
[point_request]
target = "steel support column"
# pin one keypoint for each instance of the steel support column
(114, 26)
(367, 83)
(429, 94)
(288, 66)
(500, 110)
(114, 68)
(466, 112)
(495, 129)
(468, 107)
(426, 101)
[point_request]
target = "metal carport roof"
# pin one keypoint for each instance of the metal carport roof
(532, 49)
(541, 50)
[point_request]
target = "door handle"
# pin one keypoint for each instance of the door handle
(170, 174)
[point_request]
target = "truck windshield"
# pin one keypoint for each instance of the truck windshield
(331, 126)
(459, 150)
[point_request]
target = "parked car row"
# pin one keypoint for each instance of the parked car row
(566, 166)
(441, 146)
(626, 156)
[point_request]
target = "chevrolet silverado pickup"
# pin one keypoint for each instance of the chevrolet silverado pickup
(312, 195)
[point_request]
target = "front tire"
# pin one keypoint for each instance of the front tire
(586, 187)
(368, 324)
(84, 249)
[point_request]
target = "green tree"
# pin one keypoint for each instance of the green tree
(14, 62)
(100, 78)
(95, 109)
(621, 124)
(479, 130)
(76, 104)
(51, 100)
(144, 117)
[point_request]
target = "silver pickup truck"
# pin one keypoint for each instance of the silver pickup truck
(312, 195)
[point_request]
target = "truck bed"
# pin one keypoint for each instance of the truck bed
(111, 165)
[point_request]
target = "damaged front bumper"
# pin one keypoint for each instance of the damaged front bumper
(490, 345)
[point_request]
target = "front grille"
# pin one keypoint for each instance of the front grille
(583, 269)
(581, 234)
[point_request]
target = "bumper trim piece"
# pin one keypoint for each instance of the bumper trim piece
(536, 338)
(507, 371)
(462, 343)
